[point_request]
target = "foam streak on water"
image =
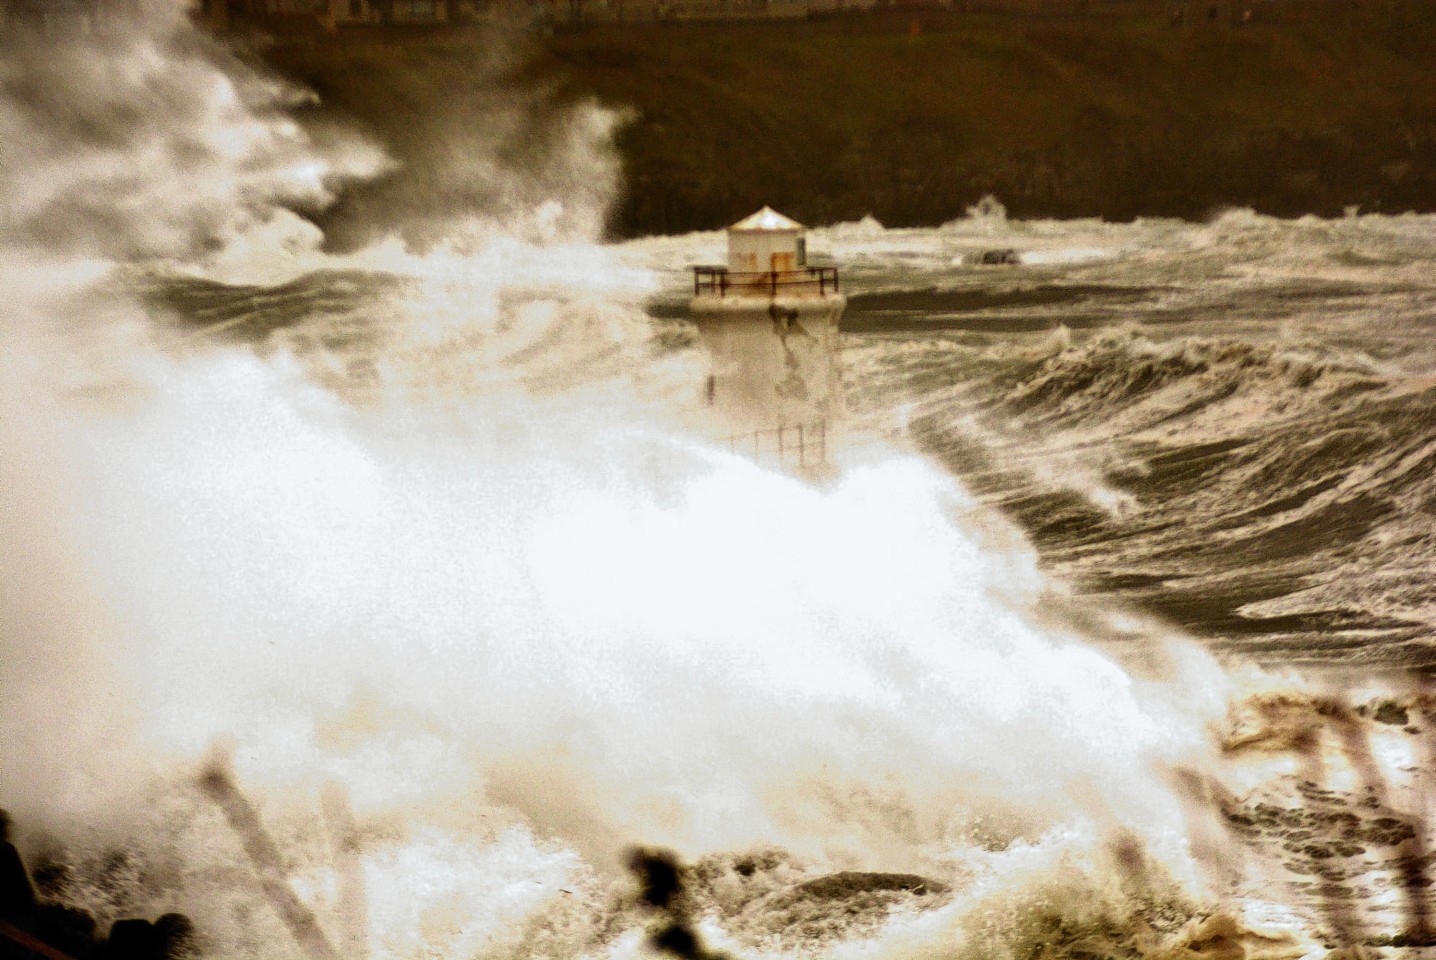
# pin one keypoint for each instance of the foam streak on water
(1224, 423)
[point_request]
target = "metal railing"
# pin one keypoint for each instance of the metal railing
(720, 282)
(800, 445)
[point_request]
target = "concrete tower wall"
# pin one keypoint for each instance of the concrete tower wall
(775, 360)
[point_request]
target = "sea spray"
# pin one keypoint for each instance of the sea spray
(511, 609)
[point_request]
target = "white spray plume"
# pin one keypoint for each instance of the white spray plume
(516, 615)
(147, 139)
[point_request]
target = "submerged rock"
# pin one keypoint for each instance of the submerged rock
(1392, 713)
(1003, 257)
(850, 883)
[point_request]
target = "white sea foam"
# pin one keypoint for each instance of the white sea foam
(507, 603)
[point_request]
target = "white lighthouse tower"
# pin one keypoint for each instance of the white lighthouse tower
(770, 325)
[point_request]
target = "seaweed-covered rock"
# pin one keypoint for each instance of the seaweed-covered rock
(852, 882)
(1390, 712)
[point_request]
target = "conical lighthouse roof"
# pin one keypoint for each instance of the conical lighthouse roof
(767, 219)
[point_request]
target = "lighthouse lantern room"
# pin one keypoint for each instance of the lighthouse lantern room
(766, 242)
(769, 322)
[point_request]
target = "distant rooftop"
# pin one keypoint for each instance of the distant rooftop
(767, 219)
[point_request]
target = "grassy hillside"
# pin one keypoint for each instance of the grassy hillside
(912, 115)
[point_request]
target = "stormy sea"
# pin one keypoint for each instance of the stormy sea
(402, 603)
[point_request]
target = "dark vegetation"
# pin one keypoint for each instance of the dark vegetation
(662, 890)
(913, 114)
(36, 927)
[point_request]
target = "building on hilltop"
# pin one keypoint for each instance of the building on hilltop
(301, 15)
(331, 14)
(578, 12)
(50, 16)
(733, 9)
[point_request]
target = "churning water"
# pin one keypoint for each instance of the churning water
(425, 567)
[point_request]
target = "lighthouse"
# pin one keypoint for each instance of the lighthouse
(769, 323)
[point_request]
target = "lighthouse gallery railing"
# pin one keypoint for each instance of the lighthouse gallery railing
(802, 444)
(720, 281)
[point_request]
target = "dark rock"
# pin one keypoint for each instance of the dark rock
(849, 883)
(134, 940)
(1391, 713)
(17, 896)
(70, 930)
(178, 935)
(1004, 257)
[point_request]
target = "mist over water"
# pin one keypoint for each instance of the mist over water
(440, 546)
